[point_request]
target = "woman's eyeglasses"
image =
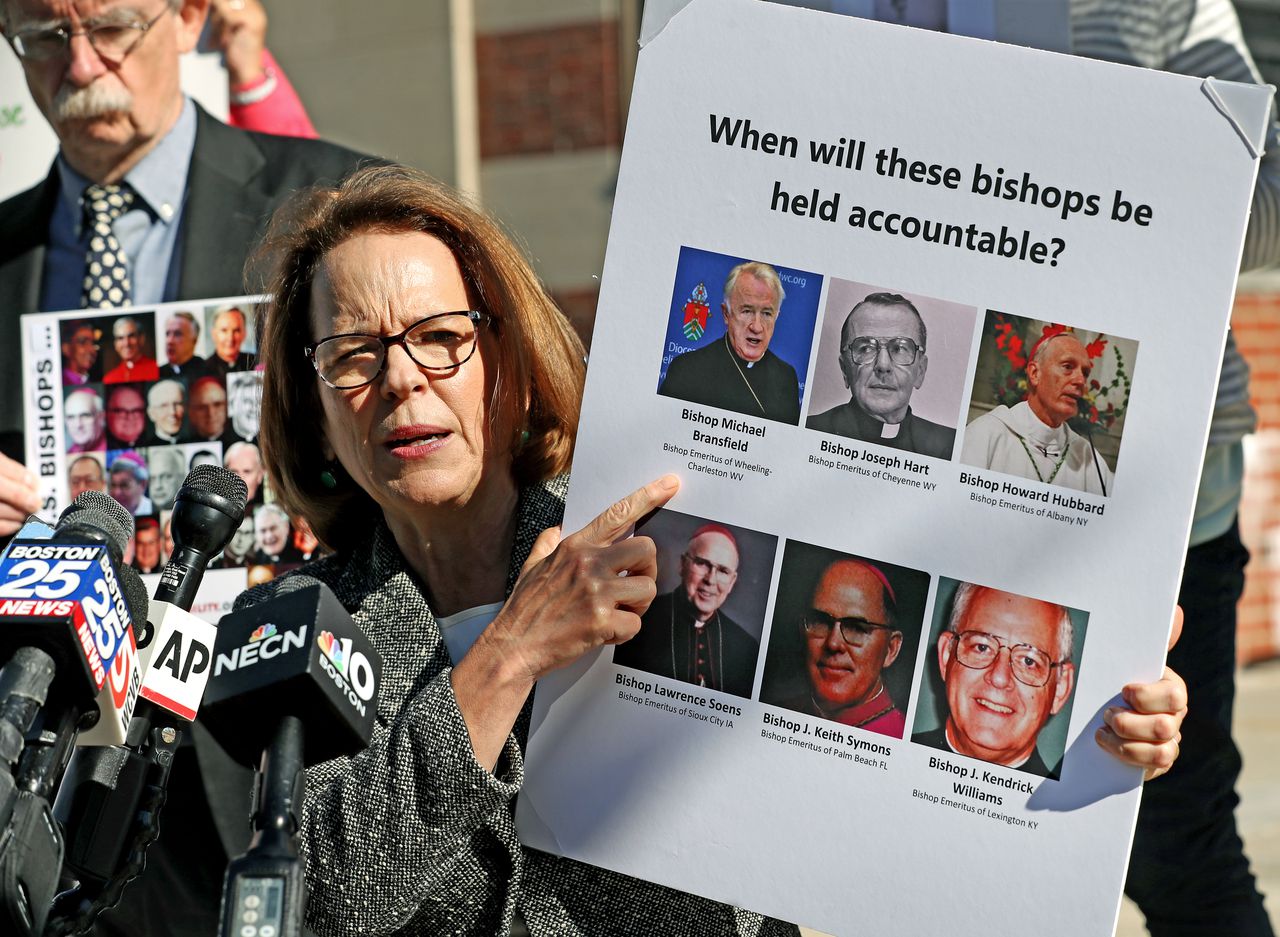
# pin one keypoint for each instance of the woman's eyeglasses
(440, 342)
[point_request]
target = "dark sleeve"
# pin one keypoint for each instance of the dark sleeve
(641, 652)
(678, 383)
(793, 396)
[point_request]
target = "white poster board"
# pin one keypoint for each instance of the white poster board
(1103, 220)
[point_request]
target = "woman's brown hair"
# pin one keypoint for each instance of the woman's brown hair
(540, 359)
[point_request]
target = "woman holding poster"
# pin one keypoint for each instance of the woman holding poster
(420, 416)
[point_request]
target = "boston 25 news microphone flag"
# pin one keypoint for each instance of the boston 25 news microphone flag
(111, 798)
(295, 682)
(66, 612)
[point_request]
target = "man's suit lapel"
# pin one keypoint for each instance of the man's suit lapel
(23, 233)
(224, 210)
(22, 245)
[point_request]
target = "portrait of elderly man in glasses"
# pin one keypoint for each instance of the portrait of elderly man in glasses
(883, 362)
(738, 372)
(841, 625)
(684, 635)
(80, 347)
(1006, 665)
(850, 637)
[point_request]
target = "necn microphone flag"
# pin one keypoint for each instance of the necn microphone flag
(299, 653)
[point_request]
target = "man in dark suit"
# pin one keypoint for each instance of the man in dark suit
(738, 372)
(205, 191)
(229, 332)
(684, 634)
(166, 408)
(181, 333)
(192, 196)
(883, 361)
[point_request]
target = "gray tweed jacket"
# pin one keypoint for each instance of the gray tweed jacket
(412, 836)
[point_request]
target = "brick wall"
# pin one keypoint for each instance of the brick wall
(579, 306)
(548, 90)
(1256, 321)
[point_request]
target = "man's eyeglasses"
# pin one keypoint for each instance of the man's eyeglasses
(864, 350)
(707, 569)
(439, 342)
(978, 651)
(856, 632)
(113, 41)
(130, 412)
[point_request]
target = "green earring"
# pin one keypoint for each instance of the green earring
(328, 479)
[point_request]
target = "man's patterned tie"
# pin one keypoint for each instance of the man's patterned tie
(106, 273)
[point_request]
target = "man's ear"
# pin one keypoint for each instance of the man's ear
(724, 312)
(944, 652)
(923, 366)
(1033, 374)
(1062, 689)
(191, 17)
(895, 647)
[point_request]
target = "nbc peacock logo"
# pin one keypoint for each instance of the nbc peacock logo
(262, 632)
(332, 650)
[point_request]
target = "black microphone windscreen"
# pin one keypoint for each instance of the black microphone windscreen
(219, 481)
(95, 509)
(135, 596)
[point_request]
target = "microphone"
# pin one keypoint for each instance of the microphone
(67, 625)
(301, 657)
(65, 595)
(207, 511)
(111, 796)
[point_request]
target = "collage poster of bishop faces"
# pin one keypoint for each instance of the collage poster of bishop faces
(128, 401)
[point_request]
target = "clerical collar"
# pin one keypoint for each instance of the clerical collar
(890, 430)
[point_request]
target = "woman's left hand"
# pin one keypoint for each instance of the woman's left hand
(1147, 731)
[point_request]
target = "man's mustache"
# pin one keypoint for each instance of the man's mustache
(92, 101)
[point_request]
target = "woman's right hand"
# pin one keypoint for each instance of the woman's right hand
(574, 594)
(19, 495)
(586, 590)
